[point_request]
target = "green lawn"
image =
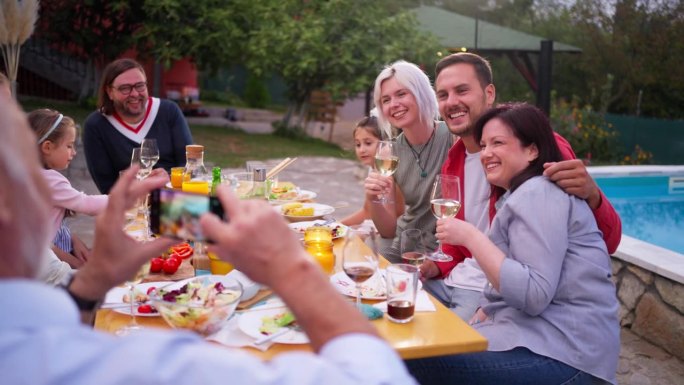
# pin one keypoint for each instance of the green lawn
(225, 147)
(231, 147)
(73, 110)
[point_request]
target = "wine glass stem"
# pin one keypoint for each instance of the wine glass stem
(131, 298)
(358, 296)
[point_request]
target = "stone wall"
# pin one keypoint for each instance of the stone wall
(651, 306)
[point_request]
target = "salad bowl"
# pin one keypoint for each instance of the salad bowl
(200, 304)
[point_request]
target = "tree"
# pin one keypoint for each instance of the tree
(210, 32)
(105, 30)
(337, 46)
(630, 48)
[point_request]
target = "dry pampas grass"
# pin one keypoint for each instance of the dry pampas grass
(17, 21)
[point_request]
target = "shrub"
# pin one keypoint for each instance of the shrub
(590, 135)
(638, 156)
(256, 93)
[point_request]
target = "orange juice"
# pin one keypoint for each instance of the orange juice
(196, 186)
(219, 266)
(177, 177)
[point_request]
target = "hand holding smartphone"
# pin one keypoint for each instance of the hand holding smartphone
(176, 214)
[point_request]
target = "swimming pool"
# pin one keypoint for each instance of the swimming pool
(650, 203)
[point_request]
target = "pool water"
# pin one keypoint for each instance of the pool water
(651, 207)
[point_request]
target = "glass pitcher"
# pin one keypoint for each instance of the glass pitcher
(195, 176)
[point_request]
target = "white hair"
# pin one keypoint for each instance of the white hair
(417, 82)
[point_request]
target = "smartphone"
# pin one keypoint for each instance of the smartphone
(176, 214)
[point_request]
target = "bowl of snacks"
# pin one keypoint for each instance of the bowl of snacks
(200, 304)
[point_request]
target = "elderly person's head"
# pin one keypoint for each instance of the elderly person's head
(5, 88)
(24, 199)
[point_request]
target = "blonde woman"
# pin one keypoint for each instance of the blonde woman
(405, 100)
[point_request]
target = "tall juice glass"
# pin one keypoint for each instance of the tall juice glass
(177, 177)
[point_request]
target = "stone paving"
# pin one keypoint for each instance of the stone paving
(337, 183)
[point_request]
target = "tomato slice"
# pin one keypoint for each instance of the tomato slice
(184, 253)
(146, 309)
(181, 246)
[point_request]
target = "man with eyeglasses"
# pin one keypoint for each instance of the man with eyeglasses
(126, 115)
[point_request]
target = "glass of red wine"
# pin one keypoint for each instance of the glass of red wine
(359, 257)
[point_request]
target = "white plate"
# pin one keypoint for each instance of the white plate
(373, 288)
(250, 322)
(304, 195)
(319, 211)
(115, 296)
(300, 227)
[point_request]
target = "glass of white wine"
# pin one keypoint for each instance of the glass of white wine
(359, 260)
(136, 160)
(445, 202)
(136, 279)
(386, 163)
(149, 153)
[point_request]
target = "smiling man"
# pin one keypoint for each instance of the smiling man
(126, 115)
(465, 91)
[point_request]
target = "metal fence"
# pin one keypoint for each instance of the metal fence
(663, 138)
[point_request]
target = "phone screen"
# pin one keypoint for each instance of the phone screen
(176, 214)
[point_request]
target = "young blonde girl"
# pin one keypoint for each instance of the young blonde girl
(366, 138)
(56, 144)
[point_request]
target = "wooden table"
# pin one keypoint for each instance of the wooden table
(429, 334)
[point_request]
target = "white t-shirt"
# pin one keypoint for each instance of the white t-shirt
(53, 270)
(468, 275)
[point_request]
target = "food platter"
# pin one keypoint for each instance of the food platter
(373, 288)
(301, 196)
(339, 230)
(250, 323)
(114, 298)
(319, 210)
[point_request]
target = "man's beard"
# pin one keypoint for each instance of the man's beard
(125, 112)
(465, 131)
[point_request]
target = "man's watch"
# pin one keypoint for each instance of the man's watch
(82, 303)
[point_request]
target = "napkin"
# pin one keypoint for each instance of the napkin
(423, 303)
(231, 335)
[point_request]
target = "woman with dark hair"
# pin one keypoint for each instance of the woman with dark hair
(549, 310)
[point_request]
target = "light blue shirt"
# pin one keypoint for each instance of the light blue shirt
(556, 295)
(42, 341)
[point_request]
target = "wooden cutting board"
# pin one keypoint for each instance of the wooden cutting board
(260, 295)
(185, 270)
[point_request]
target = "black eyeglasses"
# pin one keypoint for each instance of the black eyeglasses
(126, 89)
